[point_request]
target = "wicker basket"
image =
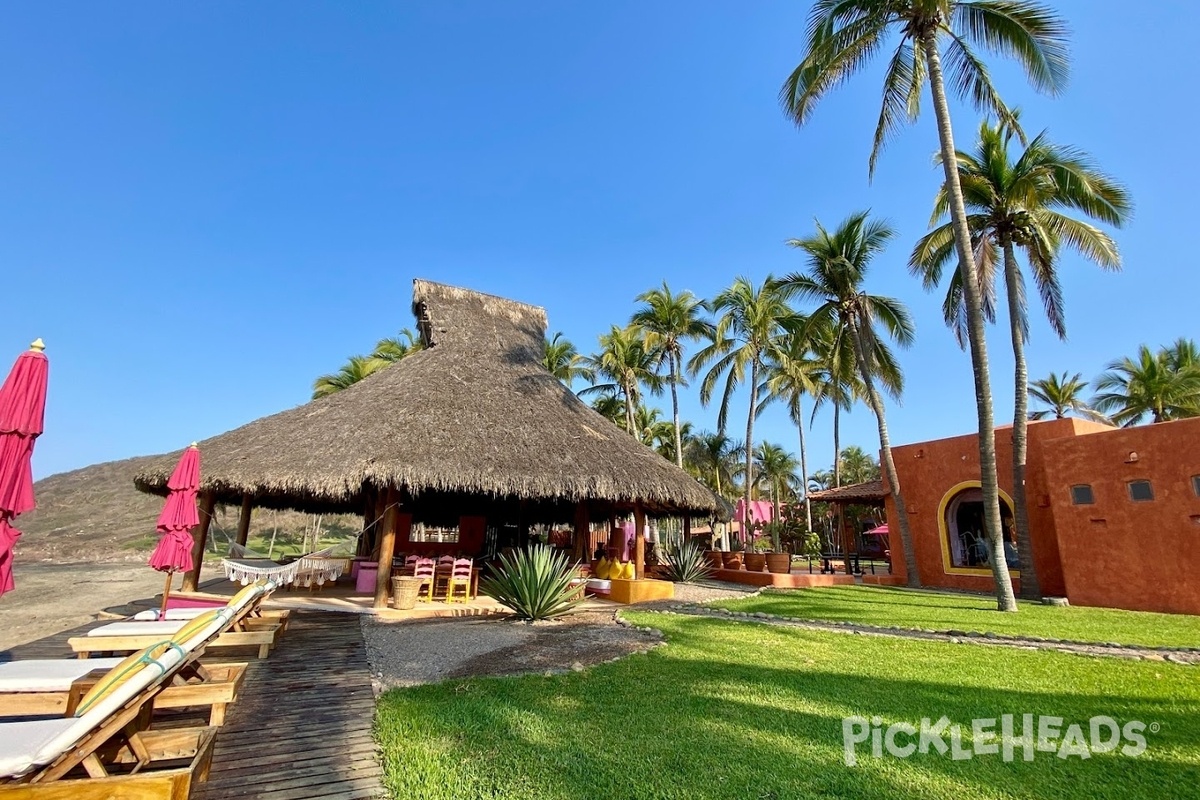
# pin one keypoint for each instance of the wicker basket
(405, 591)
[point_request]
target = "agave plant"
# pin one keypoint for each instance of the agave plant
(534, 582)
(685, 562)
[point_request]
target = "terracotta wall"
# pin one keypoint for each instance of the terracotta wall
(928, 471)
(1117, 552)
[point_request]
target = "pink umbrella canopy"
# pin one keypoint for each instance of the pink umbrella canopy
(882, 530)
(179, 516)
(22, 415)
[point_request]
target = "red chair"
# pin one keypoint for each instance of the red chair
(424, 569)
(460, 575)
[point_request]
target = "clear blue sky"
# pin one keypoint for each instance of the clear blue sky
(205, 205)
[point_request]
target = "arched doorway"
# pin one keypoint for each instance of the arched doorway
(964, 542)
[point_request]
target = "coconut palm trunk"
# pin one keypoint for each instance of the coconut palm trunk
(913, 577)
(674, 367)
(750, 447)
(804, 466)
(988, 479)
(1031, 588)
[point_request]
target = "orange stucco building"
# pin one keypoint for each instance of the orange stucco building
(1114, 513)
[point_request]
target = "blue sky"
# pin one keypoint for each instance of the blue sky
(206, 205)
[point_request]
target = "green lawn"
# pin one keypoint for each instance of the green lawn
(742, 710)
(941, 611)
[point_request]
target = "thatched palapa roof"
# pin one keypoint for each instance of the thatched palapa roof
(473, 413)
(867, 492)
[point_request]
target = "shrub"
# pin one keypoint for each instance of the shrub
(685, 562)
(534, 582)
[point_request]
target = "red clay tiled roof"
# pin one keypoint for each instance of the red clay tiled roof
(871, 491)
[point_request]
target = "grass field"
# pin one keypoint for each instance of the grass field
(941, 611)
(742, 710)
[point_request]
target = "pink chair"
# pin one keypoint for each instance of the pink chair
(460, 575)
(424, 569)
(410, 563)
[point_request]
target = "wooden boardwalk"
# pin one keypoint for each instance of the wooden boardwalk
(301, 727)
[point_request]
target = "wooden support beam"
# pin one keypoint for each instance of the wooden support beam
(687, 527)
(387, 546)
(639, 541)
(583, 533)
(243, 531)
(191, 579)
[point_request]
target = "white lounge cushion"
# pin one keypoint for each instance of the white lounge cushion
(163, 629)
(597, 585)
(151, 615)
(48, 675)
(21, 741)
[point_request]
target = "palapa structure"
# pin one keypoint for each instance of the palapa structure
(471, 426)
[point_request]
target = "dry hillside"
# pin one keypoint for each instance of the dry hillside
(96, 514)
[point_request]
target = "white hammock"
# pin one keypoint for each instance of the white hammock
(245, 566)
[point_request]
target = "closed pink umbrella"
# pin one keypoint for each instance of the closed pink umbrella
(22, 413)
(179, 515)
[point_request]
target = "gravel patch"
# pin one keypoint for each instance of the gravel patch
(707, 591)
(408, 653)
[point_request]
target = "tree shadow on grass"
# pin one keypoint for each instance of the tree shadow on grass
(694, 722)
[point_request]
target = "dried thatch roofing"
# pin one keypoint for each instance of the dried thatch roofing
(475, 412)
(867, 492)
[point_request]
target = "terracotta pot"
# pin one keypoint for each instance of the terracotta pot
(713, 558)
(779, 563)
(731, 559)
(756, 562)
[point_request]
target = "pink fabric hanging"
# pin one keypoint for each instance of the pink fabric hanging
(22, 417)
(179, 515)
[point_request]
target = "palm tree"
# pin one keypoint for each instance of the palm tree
(562, 360)
(394, 348)
(858, 466)
(837, 266)
(353, 371)
(651, 429)
(668, 320)
(1164, 385)
(838, 383)
(1064, 395)
(750, 318)
(612, 408)
(627, 362)
(844, 34)
(793, 373)
(712, 455)
(1015, 205)
(820, 480)
(777, 468)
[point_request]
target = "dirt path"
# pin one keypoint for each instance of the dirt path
(1177, 655)
(53, 597)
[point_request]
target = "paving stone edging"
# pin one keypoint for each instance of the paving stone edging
(1188, 656)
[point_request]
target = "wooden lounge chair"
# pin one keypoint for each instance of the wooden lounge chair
(241, 629)
(53, 687)
(106, 749)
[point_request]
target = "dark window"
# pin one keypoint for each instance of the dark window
(1196, 484)
(1141, 491)
(1082, 495)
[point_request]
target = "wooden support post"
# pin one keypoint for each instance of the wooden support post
(387, 546)
(191, 579)
(687, 528)
(639, 541)
(243, 531)
(583, 533)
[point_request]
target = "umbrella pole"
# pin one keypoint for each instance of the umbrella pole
(166, 595)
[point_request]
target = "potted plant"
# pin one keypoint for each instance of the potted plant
(732, 558)
(756, 557)
(779, 559)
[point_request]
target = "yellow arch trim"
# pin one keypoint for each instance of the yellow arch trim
(944, 532)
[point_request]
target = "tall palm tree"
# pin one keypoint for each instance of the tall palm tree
(713, 456)
(749, 319)
(353, 371)
(820, 480)
(777, 469)
(612, 408)
(1064, 395)
(837, 266)
(668, 321)
(1160, 385)
(843, 35)
(562, 360)
(627, 362)
(1019, 205)
(651, 429)
(794, 373)
(838, 383)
